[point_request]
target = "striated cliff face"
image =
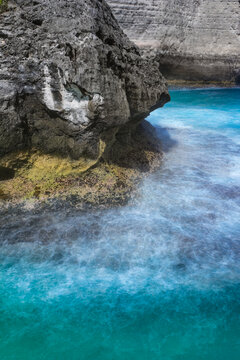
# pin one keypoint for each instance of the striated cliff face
(70, 79)
(191, 39)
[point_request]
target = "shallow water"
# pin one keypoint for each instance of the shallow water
(159, 279)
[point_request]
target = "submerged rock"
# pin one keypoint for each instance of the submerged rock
(73, 89)
(193, 40)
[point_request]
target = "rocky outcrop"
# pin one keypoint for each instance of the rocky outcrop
(73, 93)
(70, 79)
(191, 39)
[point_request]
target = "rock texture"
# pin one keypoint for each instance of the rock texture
(70, 80)
(191, 39)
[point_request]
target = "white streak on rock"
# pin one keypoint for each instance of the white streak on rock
(47, 92)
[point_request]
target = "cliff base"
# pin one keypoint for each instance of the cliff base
(33, 178)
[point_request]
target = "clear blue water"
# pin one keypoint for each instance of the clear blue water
(159, 279)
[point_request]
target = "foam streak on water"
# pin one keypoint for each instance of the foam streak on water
(159, 279)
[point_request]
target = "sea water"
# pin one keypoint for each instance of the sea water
(157, 279)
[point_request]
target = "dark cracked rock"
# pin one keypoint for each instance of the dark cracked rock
(70, 79)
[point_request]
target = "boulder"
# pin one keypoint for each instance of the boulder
(70, 79)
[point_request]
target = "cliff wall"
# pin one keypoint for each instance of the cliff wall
(191, 39)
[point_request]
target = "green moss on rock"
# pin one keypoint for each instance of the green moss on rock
(3, 5)
(111, 180)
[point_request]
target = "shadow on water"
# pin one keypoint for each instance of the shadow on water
(167, 141)
(132, 151)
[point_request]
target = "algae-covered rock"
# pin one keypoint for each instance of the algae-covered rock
(32, 175)
(3, 5)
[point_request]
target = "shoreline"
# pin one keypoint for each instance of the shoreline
(181, 84)
(106, 185)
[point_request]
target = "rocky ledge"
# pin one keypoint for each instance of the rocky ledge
(73, 93)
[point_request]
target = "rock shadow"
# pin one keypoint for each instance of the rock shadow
(142, 150)
(165, 138)
(6, 173)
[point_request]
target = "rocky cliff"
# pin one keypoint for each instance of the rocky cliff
(68, 77)
(191, 39)
(72, 86)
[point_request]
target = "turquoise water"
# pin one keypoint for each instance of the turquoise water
(159, 279)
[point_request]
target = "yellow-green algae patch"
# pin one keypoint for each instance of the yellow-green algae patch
(34, 175)
(38, 173)
(3, 5)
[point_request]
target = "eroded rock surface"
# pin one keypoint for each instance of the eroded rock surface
(70, 79)
(191, 39)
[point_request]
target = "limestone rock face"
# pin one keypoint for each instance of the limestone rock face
(191, 39)
(70, 78)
